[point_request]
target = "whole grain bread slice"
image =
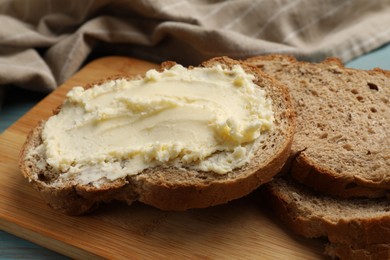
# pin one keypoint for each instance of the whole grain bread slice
(171, 188)
(347, 252)
(342, 141)
(357, 228)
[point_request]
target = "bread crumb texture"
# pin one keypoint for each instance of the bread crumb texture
(343, 119)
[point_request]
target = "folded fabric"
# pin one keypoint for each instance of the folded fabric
(42, 43)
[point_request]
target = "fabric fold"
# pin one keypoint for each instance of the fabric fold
(43, 43)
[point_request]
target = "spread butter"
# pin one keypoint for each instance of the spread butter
(207, 119)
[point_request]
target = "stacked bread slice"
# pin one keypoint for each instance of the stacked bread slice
(356, 228)
(337, 181)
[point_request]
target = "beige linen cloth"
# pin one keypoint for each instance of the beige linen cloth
(44, 42)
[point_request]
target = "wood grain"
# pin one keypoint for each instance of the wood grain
(239, 229)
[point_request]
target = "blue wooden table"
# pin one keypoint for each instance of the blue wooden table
(18, 102)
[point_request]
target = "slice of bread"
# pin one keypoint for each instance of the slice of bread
(356, 228)
(171, 188)
(342, 141)
(346, 252)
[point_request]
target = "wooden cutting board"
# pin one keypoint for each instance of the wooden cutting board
(239, 229)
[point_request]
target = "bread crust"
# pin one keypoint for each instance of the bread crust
(305, 166)
(355, 228)
(346, 252)
(323, 180)
(313, 215)
(170, 188)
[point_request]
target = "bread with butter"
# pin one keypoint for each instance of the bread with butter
(165, 186)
